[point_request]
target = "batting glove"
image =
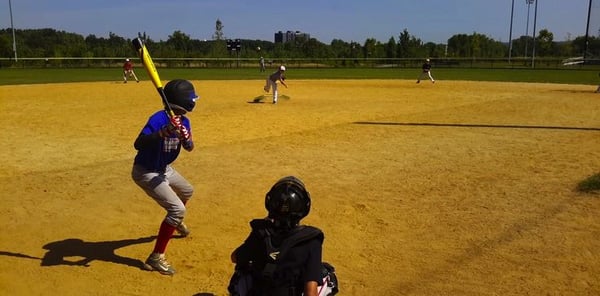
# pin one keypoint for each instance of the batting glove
(183, 133)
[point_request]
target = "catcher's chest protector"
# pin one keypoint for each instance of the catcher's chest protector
(241, 281)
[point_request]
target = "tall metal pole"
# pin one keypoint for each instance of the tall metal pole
(510, 43)
(533, 33)
(529, 2)
(587, 32)
(13, 30)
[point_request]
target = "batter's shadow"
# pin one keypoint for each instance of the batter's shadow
(59, 252)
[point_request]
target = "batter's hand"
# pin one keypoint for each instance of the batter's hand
(171, 128)
(186, 139)
(176, 121)
(183, 133)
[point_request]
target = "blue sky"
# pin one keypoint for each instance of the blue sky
(325, 20)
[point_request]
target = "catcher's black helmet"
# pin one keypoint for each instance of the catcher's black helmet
(287, 202)
(181, 94)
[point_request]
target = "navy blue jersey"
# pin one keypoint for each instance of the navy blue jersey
(276, 76)
(156, 157)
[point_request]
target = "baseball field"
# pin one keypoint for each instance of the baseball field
(452, 188)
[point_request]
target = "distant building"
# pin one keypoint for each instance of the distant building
(281, 37)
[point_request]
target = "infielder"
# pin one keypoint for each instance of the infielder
(426, 71)
(272, 82)
(128, 71)
(158, 145)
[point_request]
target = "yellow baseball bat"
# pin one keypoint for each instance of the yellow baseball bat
(146, 59)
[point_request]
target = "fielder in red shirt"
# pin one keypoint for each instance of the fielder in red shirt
(128, 71)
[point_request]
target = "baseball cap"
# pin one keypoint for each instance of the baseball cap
(127, 60)
(282, 68)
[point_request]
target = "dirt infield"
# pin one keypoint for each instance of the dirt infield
(453, 188)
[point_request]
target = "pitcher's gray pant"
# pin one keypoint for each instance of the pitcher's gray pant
(270, 84)
(169, 189)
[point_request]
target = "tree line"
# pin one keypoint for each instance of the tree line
(47, 42)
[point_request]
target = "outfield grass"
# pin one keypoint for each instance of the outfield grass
(35, 76)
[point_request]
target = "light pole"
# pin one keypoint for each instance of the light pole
(512, 10)
(533, 33)
(587, 31)
(13, 30)
(529, 2)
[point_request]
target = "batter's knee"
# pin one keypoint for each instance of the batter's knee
(186, 192)
(175, 215)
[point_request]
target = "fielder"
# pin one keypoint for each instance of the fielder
(128, 71)
(272, 82)
(158, 145)
(426, 71)
(262, 63)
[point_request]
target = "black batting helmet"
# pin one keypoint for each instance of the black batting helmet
(181, 94)
(287, 202)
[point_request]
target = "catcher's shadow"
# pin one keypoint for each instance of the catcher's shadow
(59, 252)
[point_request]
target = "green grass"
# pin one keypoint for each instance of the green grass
(590, 184)
(61, 75)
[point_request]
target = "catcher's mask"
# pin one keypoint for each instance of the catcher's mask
(287, 202)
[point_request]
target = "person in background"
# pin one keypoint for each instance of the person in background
(426, 71)
(278, 76)
(262, 64)
(128, 71)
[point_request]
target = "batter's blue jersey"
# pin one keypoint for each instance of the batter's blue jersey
(157, 157)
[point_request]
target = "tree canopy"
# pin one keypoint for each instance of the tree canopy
(47, 42)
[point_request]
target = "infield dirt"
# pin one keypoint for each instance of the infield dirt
(453, 188)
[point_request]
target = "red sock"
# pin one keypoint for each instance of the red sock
(164, 235)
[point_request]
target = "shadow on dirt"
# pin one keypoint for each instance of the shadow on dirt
(18, 255)
(59, 252)
(480, 125)
(260, 99)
